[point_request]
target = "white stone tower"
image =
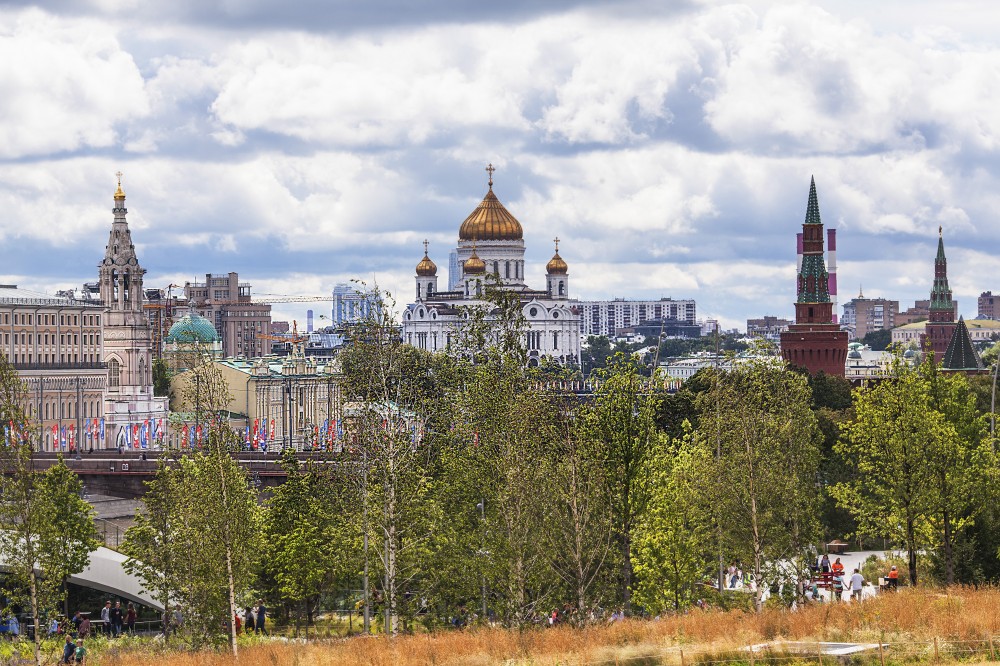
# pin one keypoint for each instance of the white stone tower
(128, 337)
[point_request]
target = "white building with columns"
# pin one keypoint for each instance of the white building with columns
(491, 242)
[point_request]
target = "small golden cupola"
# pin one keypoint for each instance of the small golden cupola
(490, 221)
(426, 267)
(119, 193)
(557, 265)
(474, 265)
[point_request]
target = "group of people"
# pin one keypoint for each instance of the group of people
(254, 619)
(855, 583)
(117, 619)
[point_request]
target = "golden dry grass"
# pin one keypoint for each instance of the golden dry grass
(908, 616)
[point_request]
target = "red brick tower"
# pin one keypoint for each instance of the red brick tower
(814, 342)
(941, 324)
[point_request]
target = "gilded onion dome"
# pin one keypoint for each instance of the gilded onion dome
(474, 265)
(557, 265)
(490, 220)
(426, 267)
(119, 193)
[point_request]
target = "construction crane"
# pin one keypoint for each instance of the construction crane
(268, 300)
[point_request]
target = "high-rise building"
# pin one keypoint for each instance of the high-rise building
(607, 317)
(227, 303)
(351, 305)
(814, 341)
(988, 306)
(454, 270)
(866, 315)
(131, 412)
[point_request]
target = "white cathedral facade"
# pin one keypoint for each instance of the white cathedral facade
(491, 242)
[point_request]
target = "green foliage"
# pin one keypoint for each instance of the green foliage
(161, 378)
(878, 340)
(674, 534)
(758, 423)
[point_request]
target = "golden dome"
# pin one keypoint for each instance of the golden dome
(474, 265)
(119, 193)
(426, 267)
(490, 221)
(557, 265)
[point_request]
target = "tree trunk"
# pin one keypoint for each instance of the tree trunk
(949, 560)
(911, 550)
(232, 601)
(627, 571)
(34, 615)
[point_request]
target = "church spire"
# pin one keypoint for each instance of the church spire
(120, 273)
(940, 291)
(814, 280)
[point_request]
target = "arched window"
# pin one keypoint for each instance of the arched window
(562, 288)
(114, 373)
(418, 291)
(496, 268)
(507, 270)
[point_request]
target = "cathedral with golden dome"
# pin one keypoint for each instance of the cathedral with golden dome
(491, 247)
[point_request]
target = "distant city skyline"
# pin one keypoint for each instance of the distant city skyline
(670, 148)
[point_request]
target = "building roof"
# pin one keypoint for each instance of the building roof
(490, 221)
(961, 355)
(11, 294)
(812, 208)
(976, 324)
(192, 328)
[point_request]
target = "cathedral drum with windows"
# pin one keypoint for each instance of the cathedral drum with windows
(491, 248)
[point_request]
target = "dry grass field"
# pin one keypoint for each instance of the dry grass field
(909, 621)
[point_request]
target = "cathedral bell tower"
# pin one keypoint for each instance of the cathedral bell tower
(128, 341)
(814, 341)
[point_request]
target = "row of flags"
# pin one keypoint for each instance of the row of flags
(139, 435)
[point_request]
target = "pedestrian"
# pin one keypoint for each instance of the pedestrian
(824, 564)
(894, 578)
(84, 630)
(261, 617)
(130, 618)
(838, 568)
(249, 621)
(117, 619)
(69, 649)
(80, 654)
(77, 619)
(857, 583)
(106, 617)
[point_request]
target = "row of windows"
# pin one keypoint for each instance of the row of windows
(53, 358)
(67, 409)
(50, 319)
(50, 339)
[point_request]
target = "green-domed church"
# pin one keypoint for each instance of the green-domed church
(192, 336)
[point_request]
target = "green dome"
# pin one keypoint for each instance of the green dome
(192, 328)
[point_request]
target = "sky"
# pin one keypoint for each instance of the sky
(669, 145)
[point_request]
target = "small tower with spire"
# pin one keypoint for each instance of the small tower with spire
(557, 275)
(426, 277)
(941, 324)
(814, 341)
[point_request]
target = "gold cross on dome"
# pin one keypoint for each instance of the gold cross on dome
(425, 246)
(556, 241)
(490, 169)
(119, 174)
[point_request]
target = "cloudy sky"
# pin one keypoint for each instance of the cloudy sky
(669, 144)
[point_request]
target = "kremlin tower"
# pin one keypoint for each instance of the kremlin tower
(814, 341)
(941, 319)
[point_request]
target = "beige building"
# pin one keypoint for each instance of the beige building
(56, 346)
(979, 330)
(867, 315)
(290, 401)
(240, 323)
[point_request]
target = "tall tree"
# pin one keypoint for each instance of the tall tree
(151, 547)
(893, 491)
(675, 532)
(759, 423)
(620, 425)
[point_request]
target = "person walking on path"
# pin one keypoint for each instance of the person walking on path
(894, 578)
(248, 622)
(117, 619)
(130, 618)
(838, 568)
(261, 617)
(857, 583)
(106, 617)
(80, 654)
(69, 649)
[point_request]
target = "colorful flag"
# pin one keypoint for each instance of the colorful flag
(102, 428)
